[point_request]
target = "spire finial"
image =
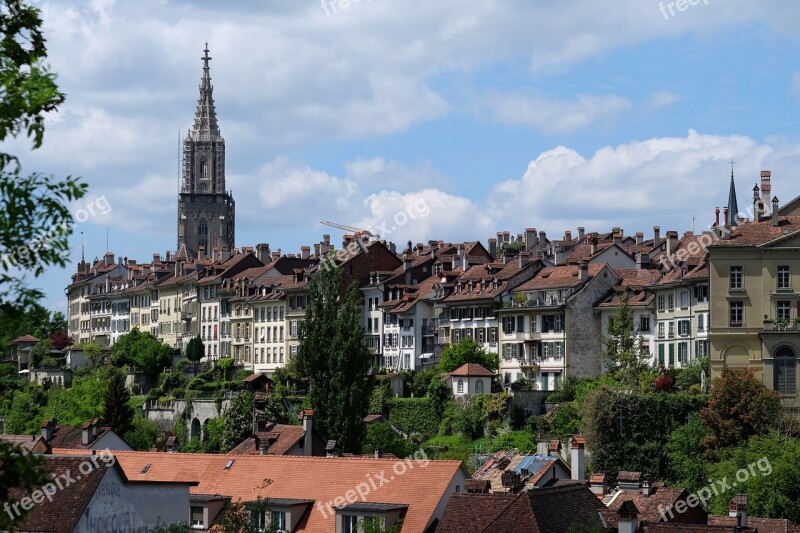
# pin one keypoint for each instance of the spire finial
(732, 162)
(206, 58)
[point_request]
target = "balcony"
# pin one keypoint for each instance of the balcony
(527, 362)
(429, 331)
(444, 339)
(779, 325)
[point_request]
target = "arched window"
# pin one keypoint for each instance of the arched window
(460, 386)
(785, 370)
(202, 235)
(203, 169)
(479, 386)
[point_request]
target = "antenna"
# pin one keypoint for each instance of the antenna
(83, 255)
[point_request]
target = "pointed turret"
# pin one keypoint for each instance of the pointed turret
(733, 205)
(205, 121)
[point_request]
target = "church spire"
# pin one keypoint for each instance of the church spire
(733, 206)
(205, 120)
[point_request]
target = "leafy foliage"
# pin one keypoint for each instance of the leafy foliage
(35, 220)
(143, 435)
(383, 437)
(767, 469)
(143, 351)
(116, 412)
(739, 407)
(628, 431)
(467, 351)
(335, 360)
(237, 421)
(22, 473)
(411, 415)
(685, 453)
(623, 348)
(195, 349)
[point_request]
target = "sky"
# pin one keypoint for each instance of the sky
(427, 120)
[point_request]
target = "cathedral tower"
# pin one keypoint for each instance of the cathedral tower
(206, 211)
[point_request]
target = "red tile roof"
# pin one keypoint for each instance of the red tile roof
(24, 338)
(755, 233)
(764, 525)
(309, 478)
(559, 277)
(472, 370)
(277, 439)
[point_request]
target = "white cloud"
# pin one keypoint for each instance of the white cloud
(663, 99)
(557, 116)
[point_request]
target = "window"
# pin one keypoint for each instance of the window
(279, 520)
(783, 277)
(701, 349)
(683, 327)
(701, 292)
(683, 352)
(202, 234)
(701, 322)
(660, 330)
(661, 303)
(670, 302)
(785, 370)
(671, 355)
(509, 323)
(479, 386)
(684, 295)
(736, 314)
(197, 516)
(671, 329)
(784, 310)
(736, 277)
(644, 323)
(545, 384)
(460, 386)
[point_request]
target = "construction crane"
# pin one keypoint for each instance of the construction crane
(355, 230)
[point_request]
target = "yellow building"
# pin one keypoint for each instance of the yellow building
(755, 300)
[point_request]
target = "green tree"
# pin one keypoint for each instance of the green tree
(237, 421)
(623, 348)
(92, 351)
(22, 473)
(142, 350)
(143, 435)
(236, 517)
(195, 350)
(24, 417)
(767, 469)
(335, 359)
(39, 353)
(116, 412)
(739, 407)
(82, 402)
(383, 437)
(467, 351)
(35, 220)
(685, 453)
(441, 394)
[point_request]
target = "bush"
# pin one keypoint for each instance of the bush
(414, 414)
(384, 437)
(144, 435)
(524, 441)
(379, 399)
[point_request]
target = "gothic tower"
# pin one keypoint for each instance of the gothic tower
(206, 211)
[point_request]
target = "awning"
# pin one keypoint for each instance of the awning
(425, 355)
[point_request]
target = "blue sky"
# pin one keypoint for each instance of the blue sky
(496, 115)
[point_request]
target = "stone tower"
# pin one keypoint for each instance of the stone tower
(206, 211)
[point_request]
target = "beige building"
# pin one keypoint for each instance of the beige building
(755, 301)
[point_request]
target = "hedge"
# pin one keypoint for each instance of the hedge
(411, 415)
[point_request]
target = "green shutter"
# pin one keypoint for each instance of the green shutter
(671, 355)
(660, 355)
(544, 381)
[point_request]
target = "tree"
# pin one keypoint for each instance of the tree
(237, 517)
(335, 360)
(35, 219)
(22, 473)
(685, 453)
(382, 436)
(237, 423)
(144, 351)
(739, 407)
(143, 435)
(39, 353)
(623, 348)
(767, 469)
(195, 350)
(467, 351)
(117, 413)
(92, 351)
(24, 416)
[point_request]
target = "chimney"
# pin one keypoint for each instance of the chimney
(86, 429)
(756, 203)
(378, 453)
(568, 235)
(577, 458)
(493, 248)
(524, 259)
(726, 222)
(169, 256)
(263, 252)
(542, 242)
(656, 236)
(639, 238)
(597, 484)
(308, 427)
(672, 242)
(48, 427)
(593, 240)
(462, 258)
(156, 258)
(316, 250)
(201, 252)
(716, 221)
(737, 508)
(507, 237)
(95, 428)
(305, 252)
(628, 518)
(775, 220)
(109, 259)
(408, 260)
(581, 232)
(640, 261)
(766, 185)
(420, 247)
